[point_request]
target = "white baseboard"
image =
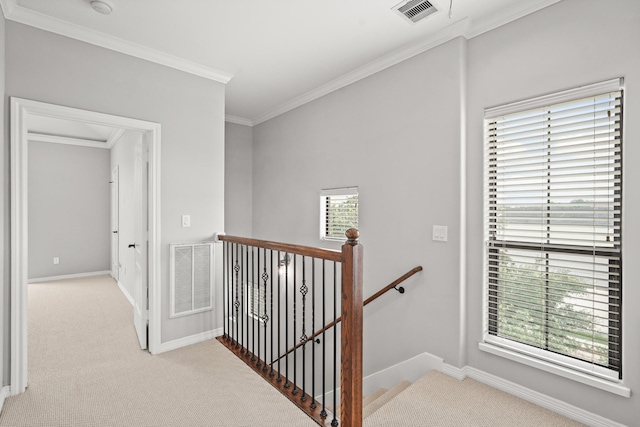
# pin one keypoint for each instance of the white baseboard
(68, 276)
(190, 340)
(126, 294)
(532, 396)
(452, 371)
(4, 393)
(414, 368)
(409, 370)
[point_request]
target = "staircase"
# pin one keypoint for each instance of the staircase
(439, 400)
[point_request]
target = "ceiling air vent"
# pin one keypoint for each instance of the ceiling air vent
(415, 10)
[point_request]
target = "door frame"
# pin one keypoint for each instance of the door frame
(115, 218)
(21, 110)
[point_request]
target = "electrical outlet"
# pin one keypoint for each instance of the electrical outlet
(439, 233)
(56, 260)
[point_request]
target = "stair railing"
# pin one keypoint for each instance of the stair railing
(264, 312)
(392, 285)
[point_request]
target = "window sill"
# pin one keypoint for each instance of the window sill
(589, 380)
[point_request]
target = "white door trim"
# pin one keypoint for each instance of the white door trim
(21, 110)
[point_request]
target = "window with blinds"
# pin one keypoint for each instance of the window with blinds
(257, 301)
(553, 218)
(338, 212)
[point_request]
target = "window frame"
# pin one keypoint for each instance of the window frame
(566, 366)
(325, 194)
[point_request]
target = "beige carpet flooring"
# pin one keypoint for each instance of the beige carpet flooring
(442, 401)
(86, 369)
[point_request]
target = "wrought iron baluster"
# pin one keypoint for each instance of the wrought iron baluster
(323, 412)
(303, 338)
(245, 288)
(279, 316)
(271, 301)
(265, 316)
(253, 306)
(295, 353)
(258, 314)
(236, 302)
(286, 319)
(313, 328)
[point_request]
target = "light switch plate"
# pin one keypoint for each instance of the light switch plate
(186, 220)
(439, 233)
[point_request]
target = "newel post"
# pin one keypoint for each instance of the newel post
(351, 365)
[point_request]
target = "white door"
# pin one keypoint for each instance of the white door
(115, 215)
(140, 290)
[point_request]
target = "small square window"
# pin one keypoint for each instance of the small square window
(338, 212)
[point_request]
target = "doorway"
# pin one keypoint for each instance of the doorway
(23, 112)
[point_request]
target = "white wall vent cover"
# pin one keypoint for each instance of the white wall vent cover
(191, 284)
(415, 10)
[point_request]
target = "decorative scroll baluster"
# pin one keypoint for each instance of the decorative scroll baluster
(295, 354)
(264, 317)
(258, 315)
(303, 338)
(236, 302)
(253, 306)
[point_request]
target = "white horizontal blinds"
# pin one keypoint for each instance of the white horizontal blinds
(340, 212)
(554, 210)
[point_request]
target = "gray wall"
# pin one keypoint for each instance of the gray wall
(395, 135)
(238, 175)
(550, 51)
(122, 155)
(50, 68)
(69, 210)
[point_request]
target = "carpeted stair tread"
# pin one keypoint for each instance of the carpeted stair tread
(384, 398)
(440, 400)
(368, 400)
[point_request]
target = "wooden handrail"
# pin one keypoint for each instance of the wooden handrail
(328, 254)
(372, 298)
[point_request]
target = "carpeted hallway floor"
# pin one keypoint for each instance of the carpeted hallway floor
(86, 369)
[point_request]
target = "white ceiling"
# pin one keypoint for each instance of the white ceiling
(275, 54)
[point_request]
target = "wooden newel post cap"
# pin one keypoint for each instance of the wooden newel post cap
(352, 236)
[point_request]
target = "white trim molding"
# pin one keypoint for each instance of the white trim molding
(15, 12)
(21, 110)
(190, 340)
(461, 28)
(69, 276)
(237, 120)
(126, 294)
(540, 399)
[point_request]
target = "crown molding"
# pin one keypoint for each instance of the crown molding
(238, 120)
(449, 33)
(464, 27)
(17, 13)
